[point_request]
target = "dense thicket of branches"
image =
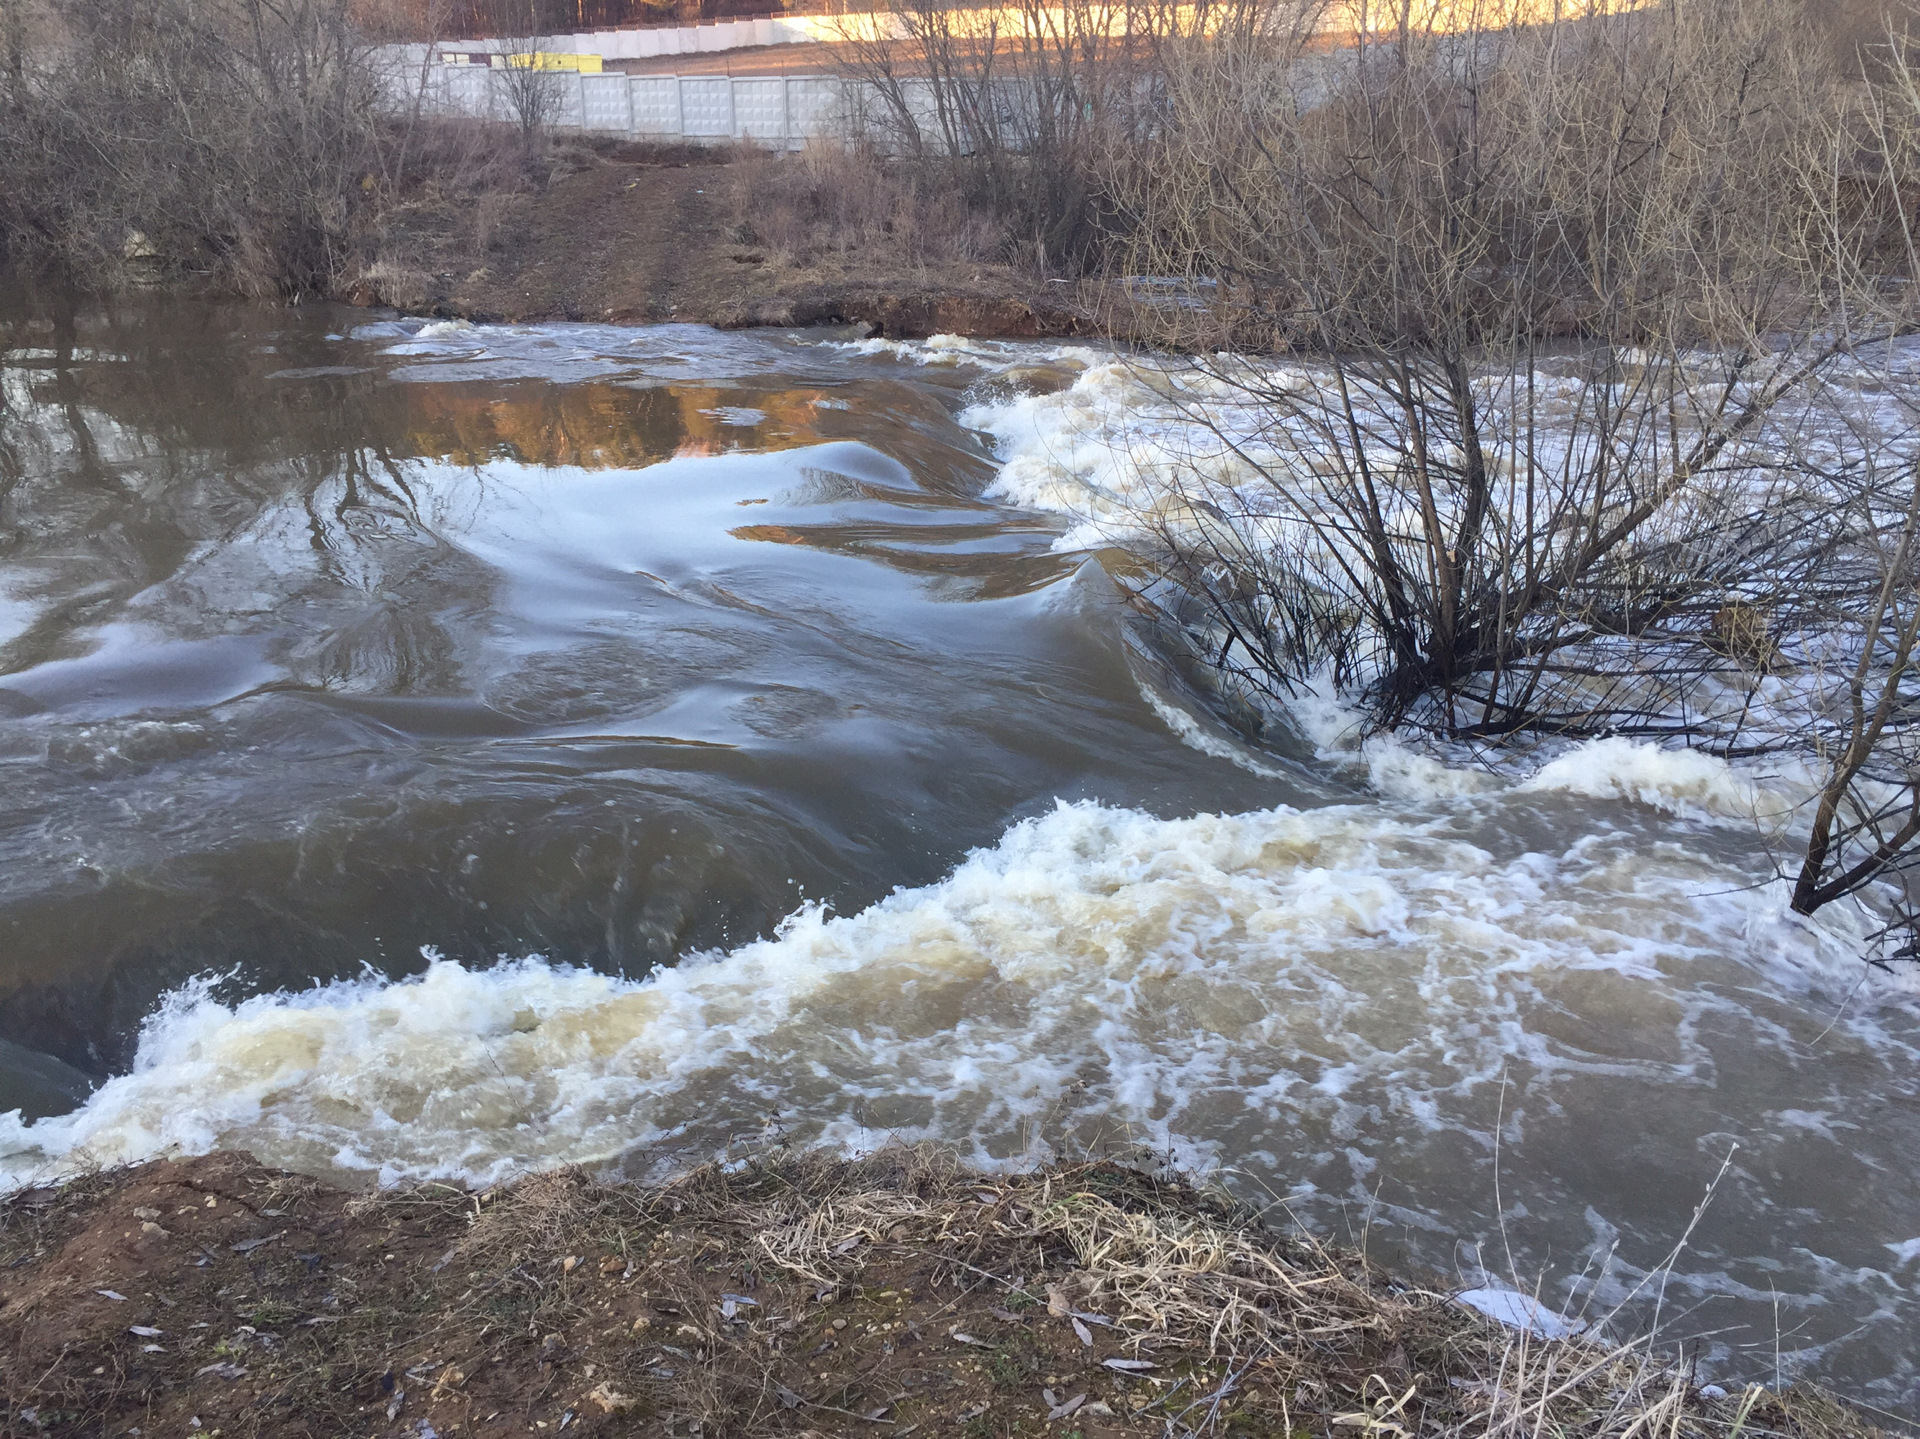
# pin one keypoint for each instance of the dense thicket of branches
(1564, 277)
(234, 137)
(1017, 107)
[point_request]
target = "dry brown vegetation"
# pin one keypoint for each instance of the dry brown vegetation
(794, 1294)
(832, 203)
(237, 139)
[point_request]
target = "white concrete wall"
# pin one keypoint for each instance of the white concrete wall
(779, 110)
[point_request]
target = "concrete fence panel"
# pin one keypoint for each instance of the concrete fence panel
(777, 110)
(813, 106)
(760, 109)
(606, 103)
(656, 105)
(706, 106)
(472, 92)
(568, 106)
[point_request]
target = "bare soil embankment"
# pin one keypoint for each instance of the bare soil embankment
(798, 1295)
(646, 234)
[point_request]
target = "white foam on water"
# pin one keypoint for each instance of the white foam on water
(1906, 1252)
(1191, 733)
(1393, 767)
(1109, 452)
(442, 329)
(1198, 975)
(1680, 781)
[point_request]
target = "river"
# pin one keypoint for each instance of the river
(444, 751)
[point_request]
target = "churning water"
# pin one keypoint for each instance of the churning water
(445, 751)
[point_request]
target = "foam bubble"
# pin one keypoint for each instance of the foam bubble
(1679, 781)
(1393, 767)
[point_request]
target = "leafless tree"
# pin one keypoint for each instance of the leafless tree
(1862, 689)
(529, 90)
(1011, 105)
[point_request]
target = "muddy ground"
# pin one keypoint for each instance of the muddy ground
(212, 1297)
(637, 234)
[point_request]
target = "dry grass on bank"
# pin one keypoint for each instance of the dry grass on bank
(833, 206)
(794, 1295)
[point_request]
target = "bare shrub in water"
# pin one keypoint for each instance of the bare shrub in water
(1562, 284)
(1599, 428)
(235, 138)
(1861, 691)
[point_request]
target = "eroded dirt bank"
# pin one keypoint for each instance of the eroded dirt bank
(899, 1294)
(644, 234)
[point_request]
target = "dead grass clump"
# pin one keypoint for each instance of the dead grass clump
(1173, 1310)
(838, 200)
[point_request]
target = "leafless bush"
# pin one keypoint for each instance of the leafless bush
(530, 91)
(1595, 422)
(1563, 282)
(1010, 107)
(1861, 687)
(232, 137)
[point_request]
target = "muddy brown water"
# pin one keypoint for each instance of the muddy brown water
(460, 751)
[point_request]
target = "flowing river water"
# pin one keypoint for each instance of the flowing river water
(446, 751)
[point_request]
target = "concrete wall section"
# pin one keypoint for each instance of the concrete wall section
(606, 104)
(760, 109)
(709, 109)
(655, 101)
(814, 106)
(706, 107)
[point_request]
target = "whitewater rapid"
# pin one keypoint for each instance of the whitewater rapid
(1181, 978)
(1580, 968)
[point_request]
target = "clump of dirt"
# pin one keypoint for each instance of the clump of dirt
(794, 1295)
(646, 234)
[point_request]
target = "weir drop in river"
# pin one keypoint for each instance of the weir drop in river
(446, 751)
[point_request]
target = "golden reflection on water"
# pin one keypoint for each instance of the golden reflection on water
(602, 426)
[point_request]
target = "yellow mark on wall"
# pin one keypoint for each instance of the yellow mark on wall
(546, 60)
(530, 60)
